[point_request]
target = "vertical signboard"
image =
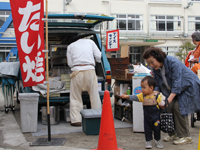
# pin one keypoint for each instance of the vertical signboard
(29, 30)
(112, 40)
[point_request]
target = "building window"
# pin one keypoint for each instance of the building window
(165, 23)
(193, 23)
(116, 54)
(3, 16)
(129, 22)
(4, 51)
(134, 55)
(11, 25)
(170, 50)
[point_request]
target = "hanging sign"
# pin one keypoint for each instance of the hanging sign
(29, 31)
(112, 40)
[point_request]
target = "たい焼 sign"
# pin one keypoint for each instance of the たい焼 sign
(29, 30)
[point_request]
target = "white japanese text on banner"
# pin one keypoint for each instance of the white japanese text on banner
(29, 30)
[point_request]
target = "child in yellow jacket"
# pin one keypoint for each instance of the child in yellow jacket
(151, 109)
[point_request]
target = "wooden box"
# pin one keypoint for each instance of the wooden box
(118, 70)
(118, 73)
(119, 61)
(129, 75)
(118, 66)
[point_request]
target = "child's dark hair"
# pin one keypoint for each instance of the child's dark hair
(150, 80)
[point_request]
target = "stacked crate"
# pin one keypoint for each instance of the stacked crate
(67, 79)
(118, 66)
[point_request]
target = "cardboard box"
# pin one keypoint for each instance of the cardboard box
(125, 51)
(117, 90)
(126, 72)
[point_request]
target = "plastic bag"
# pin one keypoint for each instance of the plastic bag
(126, 103)
(141, 69)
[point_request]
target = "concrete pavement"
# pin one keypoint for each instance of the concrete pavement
(11, 137)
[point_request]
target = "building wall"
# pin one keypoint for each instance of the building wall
(55, 6)
(145, 8)
(86, 6)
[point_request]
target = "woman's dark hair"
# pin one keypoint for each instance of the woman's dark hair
(196, 36)
(157, 53)
(150, 80)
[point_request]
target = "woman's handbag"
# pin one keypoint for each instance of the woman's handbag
(166, 120)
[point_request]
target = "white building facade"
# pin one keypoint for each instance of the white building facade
(142, 23)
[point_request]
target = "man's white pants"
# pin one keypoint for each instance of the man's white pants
(83, 81)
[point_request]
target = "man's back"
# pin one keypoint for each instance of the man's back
(82, 52)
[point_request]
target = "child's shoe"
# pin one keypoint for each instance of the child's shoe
(148, 145)
(159, 144)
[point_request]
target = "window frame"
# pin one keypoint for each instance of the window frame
(5, 16)
(116, 54)
(165, 20)
(5, 50)
(132, 54)
(189, 20)
(129, 19)
(169, 51)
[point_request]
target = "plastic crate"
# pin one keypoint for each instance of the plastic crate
(119, 111)
(128, 113)
(91, 119)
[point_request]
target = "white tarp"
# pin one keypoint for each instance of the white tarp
(55, 87)
(9, 69)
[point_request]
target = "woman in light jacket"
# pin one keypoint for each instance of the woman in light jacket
(180, 85)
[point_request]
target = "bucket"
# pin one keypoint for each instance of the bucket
(54, 112)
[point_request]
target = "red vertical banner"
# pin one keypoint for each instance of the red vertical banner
(112, 40)
(29, 31)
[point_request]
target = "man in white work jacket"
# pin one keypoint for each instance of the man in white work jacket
(81, 56)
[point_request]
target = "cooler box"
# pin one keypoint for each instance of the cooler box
(138, 118)
(91, 119)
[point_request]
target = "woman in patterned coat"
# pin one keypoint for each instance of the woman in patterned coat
(181, 87)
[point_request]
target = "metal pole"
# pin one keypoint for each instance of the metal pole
(47, 74)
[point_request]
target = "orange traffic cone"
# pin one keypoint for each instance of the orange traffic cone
(107, 137)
